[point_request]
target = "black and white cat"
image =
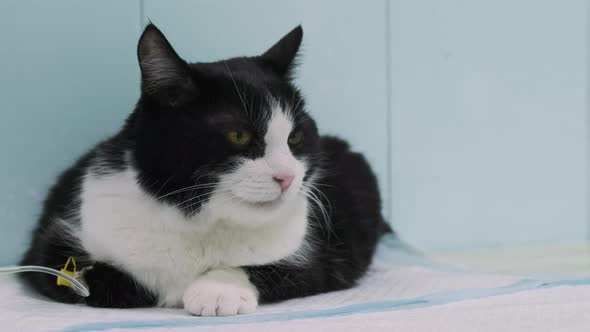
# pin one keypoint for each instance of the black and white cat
(217, 194)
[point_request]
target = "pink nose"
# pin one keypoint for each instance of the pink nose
(284, 180)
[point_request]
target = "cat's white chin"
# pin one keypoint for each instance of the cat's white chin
(239, 211)
(269, 201)
(265, 204)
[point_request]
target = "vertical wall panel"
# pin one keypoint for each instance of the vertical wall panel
(587, 201)
(68, 79)
(488, 122)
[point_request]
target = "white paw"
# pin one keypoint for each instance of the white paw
(219, 298)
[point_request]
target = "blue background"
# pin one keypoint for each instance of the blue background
(473, 113)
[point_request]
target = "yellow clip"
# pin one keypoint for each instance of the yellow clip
(63, 282)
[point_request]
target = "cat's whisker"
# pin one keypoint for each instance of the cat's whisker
(210, 193)
(184, 190)
(202, 198)
(236, 86)
(248, 112)
(163, 185)
(237, 203)
(308, 191)
(297, 105)
(314, 186)
(201, 172)
(219, 199)
(192, 199)
(292, 98)
(193, 187)
(251, 103)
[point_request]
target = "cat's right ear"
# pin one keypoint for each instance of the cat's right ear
(164, 75)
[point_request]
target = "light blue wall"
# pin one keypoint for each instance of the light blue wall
(489, 121)
(68, 77)
(486, 100)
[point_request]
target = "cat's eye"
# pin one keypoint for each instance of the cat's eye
(239, 137)
(296, 138)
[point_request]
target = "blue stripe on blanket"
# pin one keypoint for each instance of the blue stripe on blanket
(419, 302)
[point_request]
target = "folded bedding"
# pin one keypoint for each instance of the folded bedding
(403, 291)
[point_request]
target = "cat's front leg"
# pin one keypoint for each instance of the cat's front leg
(221, 292)
(112, 288)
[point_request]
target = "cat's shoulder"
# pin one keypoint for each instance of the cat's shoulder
(339, 152)
(333, 144)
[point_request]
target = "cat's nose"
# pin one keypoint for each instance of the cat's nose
(284, 180)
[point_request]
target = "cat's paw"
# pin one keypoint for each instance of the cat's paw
(219, 298)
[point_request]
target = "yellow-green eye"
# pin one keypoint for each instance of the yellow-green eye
(239, 137)
(296, 138)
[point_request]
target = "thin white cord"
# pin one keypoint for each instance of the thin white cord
(77, 286)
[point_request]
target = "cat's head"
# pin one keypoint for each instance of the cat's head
(232, 133)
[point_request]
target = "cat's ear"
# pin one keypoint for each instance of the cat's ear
(164, 75)
(281, 56)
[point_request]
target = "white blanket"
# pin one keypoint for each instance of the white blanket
(402, 292)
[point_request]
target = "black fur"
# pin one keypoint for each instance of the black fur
(112, 288)
(345, 247)
(176, 137)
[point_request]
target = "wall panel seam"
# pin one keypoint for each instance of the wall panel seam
(587, 170)
(388, 115)
(141, 14)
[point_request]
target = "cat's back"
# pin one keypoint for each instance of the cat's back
(351, 187)
(349, 170)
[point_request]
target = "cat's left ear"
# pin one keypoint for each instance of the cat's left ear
(281, 56)
(164, 75)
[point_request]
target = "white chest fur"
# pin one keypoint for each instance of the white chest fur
(159, 246)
